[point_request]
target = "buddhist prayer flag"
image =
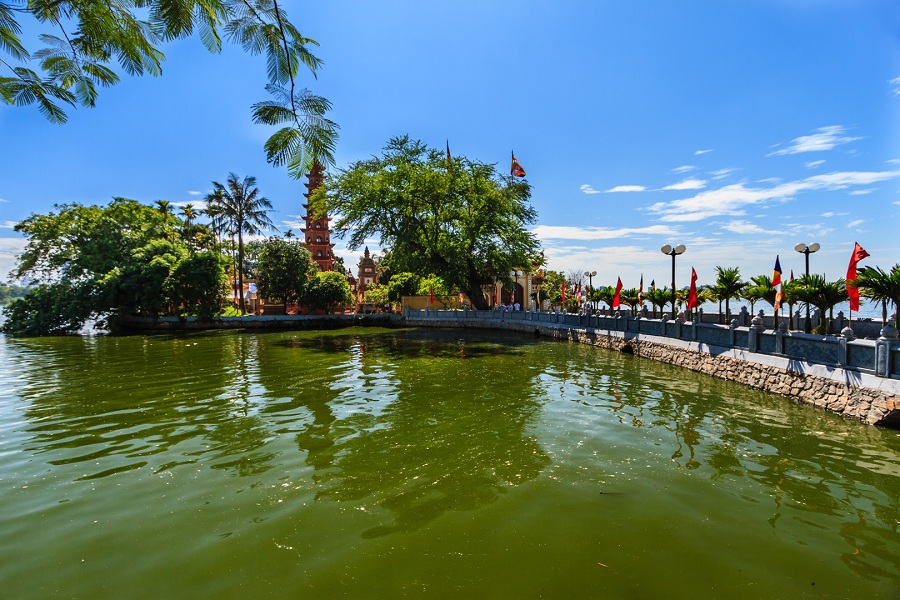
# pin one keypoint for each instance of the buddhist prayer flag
(616, 299)
(448, 151)
(852, 291)
(578, 294)
(516, 169)
(692, 295)
(641, 291)
(776, 283)
(652, 285)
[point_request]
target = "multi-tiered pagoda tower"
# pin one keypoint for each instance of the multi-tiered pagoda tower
(318, 230)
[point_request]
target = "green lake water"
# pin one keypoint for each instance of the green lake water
(371, 463)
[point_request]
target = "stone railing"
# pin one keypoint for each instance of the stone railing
(880, 357)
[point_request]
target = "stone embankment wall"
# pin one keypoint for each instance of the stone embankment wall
(260, 322)
(871, 399)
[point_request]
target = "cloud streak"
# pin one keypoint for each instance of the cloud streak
(587, 189)
(732, 200)
(626, 188)
(545, 232)
(824, 138)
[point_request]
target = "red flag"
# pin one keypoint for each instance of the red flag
(858, 254)
(616, 300)
(516, 169)
(432, 294)
(563, 292)
(776, 283)
(692, 295)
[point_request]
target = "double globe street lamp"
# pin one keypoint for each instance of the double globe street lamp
(517, 273)
(807, 250)
(673, 252)
(590, 276)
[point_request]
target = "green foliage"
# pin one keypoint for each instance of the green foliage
(376, 294)
(432, 284)
(825, 295)
(658, 298)
(328, 290)
(402, 284)
(8, 293)
(880, 286)
(460, 220)
(285, 267)
(238, 207)
(728, 285)
(82, 39)
(105, 262)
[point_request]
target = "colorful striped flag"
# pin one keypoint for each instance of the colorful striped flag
(516, 169)
(776, 283)
(652, 285)
(852, 291)
(641, 291)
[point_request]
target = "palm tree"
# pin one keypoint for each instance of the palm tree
(189, 213)
(728, 286)
(658, 298)
(875, 284)
(165, 209)
(240, 206)
(824, 295)
(629, 297)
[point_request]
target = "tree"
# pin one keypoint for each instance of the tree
(760, 288)
(82, 38)
(402, 284)
(880, 286)
(284, 269)
(728, 285)
(103, 263)
(658, 298)
(376, 294)
(189, 213)
(328, 290)
(824, 295)
(243, 210)
(458, 219)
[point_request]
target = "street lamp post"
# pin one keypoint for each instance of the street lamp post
(673, 252)
(517, 273)
(590, 276)
(807, 250)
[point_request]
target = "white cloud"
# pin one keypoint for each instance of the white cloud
(3, 200)
(7, 224)
(745, 227)
(195, 193)
(687, 184)
(825, 138)
(856, 223)
(587, 189)
(699, 152)
(834, 214)
(722, 173)
(814, 163)
(598, 233)
(683, 169)
(627, 188)
(860, 192)
(731, 200)
(895, 85)
(9, 248)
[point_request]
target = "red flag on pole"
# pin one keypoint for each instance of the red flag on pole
(431, 290)
(563, 292)
(858, 254)
(616, 300)
(692, 295)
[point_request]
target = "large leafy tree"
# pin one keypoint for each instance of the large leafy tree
(455, 218)
(284, 269)
(328, 290)
(103, 262)
(81, 40)
(240, 206)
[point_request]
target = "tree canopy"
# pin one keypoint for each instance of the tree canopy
(80, 40)
(455, 218)
(103, 262)
(285, 267)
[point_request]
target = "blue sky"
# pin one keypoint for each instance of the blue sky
(735, 128)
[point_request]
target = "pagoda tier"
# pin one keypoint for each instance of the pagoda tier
(318, 231)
